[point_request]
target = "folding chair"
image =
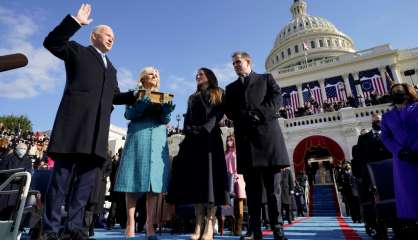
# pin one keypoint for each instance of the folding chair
(10, 229)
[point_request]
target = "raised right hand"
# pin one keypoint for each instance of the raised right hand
(83, 14)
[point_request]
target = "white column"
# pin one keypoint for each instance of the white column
(347, 85)
(322, 86)
(300, 94)
(396, 74)
(382, 71)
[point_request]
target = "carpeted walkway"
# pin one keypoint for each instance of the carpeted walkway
(311, 228)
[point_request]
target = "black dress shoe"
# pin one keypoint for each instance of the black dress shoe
(278, 234)
(49, 236)
(252, 236)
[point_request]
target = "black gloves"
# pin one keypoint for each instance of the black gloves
(252, 117)
(195, 130)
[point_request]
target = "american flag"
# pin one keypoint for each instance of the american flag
(291, 103)
(317, 94)
(312, 93)
(371, 85)
(305, 46)
(336, 92)
(290, 112)
(294, 100)
(306, 95)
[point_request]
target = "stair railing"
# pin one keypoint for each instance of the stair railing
(336, 193)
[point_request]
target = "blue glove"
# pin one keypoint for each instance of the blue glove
(142, 104)
(165, 119)
(167, 108)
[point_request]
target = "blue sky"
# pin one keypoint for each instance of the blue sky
(178, 37)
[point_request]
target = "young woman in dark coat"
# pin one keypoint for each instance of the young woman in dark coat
(199, 171)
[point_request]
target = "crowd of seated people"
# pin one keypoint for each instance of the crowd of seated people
(312, 107)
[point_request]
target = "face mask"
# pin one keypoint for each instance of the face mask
(20, 152)
(398, 98)
(376, 126)
(230, 143)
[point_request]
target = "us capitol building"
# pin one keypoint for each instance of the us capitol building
(312, 57)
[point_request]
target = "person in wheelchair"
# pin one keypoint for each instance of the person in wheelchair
(16, 159)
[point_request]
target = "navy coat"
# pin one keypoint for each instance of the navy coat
(83, 117)
(261, 145)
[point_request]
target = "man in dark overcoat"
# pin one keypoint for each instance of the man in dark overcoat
(252, 102)
(287, 188)
(79, 137)
(370, 148)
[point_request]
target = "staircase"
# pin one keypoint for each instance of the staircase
(323, 201)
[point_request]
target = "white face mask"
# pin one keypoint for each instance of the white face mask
(20, 152)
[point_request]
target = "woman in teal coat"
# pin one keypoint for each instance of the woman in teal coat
(144, 166)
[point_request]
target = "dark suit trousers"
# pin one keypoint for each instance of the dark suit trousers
(71, 179)
(255, 180)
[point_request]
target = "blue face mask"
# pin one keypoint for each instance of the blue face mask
(20, 152)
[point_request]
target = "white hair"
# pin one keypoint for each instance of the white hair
(144, 72)
(97, 29)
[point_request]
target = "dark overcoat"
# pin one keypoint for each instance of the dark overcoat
(83, 117)
(370, 149)
(199, 170)
(286, 184)
(260, 145)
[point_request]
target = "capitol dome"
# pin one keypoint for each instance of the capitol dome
(307, 38)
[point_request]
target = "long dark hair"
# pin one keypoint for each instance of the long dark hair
(409, 91)
(215, 92)
(228, 148)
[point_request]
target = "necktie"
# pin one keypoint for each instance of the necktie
(104, 59)
(245, 80)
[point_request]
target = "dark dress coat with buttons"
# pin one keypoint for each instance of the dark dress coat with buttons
(260, 145)
(83, 117)
(199, 170)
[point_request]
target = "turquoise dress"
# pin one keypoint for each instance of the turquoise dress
(144, 165)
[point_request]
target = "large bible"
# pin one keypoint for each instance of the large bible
(156, 97)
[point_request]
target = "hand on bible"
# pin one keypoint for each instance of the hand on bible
(83, 14)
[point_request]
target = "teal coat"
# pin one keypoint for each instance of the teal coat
(144, 165)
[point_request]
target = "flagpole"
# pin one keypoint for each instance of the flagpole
(305, 49)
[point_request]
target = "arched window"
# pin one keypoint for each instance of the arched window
(296, 48)
(313, 44)
(321, 43)
(282, 55)
(329, 43)
(289, 52)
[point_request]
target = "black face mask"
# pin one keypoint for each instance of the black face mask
(376, 125)
(398, 98)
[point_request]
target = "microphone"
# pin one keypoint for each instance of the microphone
(12, 61)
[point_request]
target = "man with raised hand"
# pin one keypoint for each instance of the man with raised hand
(79, 138)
